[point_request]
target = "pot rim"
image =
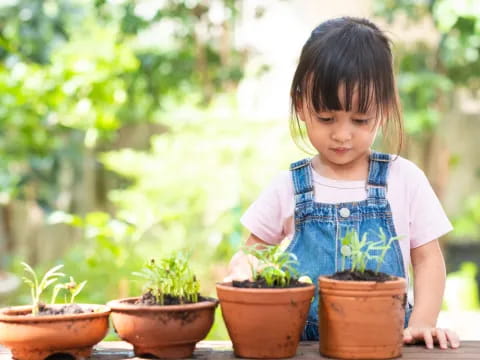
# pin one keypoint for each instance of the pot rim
(124, 304)
(357, 285)
(227, 286)
(22, 310)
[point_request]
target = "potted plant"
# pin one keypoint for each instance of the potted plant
(362, 311)
(37, 331)
(170, 317)
(265, 316)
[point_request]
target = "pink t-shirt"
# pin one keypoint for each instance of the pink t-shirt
(417, 213)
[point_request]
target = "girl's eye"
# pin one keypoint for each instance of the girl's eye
(325, 119)
(361, 121)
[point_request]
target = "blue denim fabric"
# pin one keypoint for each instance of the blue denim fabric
(319, 228)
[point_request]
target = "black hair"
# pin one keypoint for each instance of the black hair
(352, 53)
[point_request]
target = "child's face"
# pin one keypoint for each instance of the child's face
(341, 137)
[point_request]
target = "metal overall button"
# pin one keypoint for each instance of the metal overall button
(344, 212)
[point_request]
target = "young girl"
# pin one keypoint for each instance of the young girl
(343, 91)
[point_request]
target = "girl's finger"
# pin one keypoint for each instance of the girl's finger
(428, 338)
(407, 336)
(453, 338)
(441, 338)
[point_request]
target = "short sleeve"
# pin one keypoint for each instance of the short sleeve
(428, 220)
(268, 216)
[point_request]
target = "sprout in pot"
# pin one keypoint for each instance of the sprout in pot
(361, 309)
(274, 268)
(171, 316)
(358, 252)
(265, 316)
(38, 287)
(169, 282)
(38, 331)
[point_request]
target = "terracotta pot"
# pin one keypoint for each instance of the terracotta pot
(169, 331)
(361, 319)
(265, 323)
(37, 337)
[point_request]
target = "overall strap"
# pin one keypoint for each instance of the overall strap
(377, 175)
(302, 181)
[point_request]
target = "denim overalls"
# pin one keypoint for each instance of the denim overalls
(319, 228)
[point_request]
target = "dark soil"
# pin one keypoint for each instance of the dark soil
(62, 310)
(148, 299)
(260, 283)
(368, 275)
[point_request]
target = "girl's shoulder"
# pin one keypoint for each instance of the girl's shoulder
(278, 190)
(407, 177)
(282, 183)
(400, 166)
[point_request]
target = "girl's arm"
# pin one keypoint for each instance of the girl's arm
(239, 267)
(429, 285)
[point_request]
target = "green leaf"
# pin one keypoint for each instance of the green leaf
(78, 289)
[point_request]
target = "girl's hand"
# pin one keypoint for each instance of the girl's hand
(431, 335)
(240, 268)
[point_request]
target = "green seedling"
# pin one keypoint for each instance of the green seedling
(360, 250)
(171, 276)
(38, 287)
(275, 266)
(71, 287)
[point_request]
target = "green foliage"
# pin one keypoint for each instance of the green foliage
(275, 266)
(429, 73)
(54, 113)
(467, 224)
(419, 91)
(71, 287)
(72, 73)
(172, 276)
(462, 289)
(360, 251)
(38, 287)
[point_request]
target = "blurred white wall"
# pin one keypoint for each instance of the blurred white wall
(277, 39)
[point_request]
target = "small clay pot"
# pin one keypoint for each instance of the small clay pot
(168, 331)
(265, 323)
(361, 319)
(37, 337)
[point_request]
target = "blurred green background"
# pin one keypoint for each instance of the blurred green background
(130, 129)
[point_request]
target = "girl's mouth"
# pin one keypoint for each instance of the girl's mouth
(340, 150)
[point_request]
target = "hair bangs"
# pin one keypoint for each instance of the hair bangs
(353, 81)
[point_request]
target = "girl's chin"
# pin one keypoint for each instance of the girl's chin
(342, 159)
(341, 155)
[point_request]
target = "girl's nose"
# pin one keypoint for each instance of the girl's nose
(341, 133)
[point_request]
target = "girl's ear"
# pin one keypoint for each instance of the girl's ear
(300, 110)
(300, 115)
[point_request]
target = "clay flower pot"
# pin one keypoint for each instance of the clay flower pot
(361, 319)
(165, 331)
(37, 337)
(265, 323)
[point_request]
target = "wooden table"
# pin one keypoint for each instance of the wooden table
(116, 350)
